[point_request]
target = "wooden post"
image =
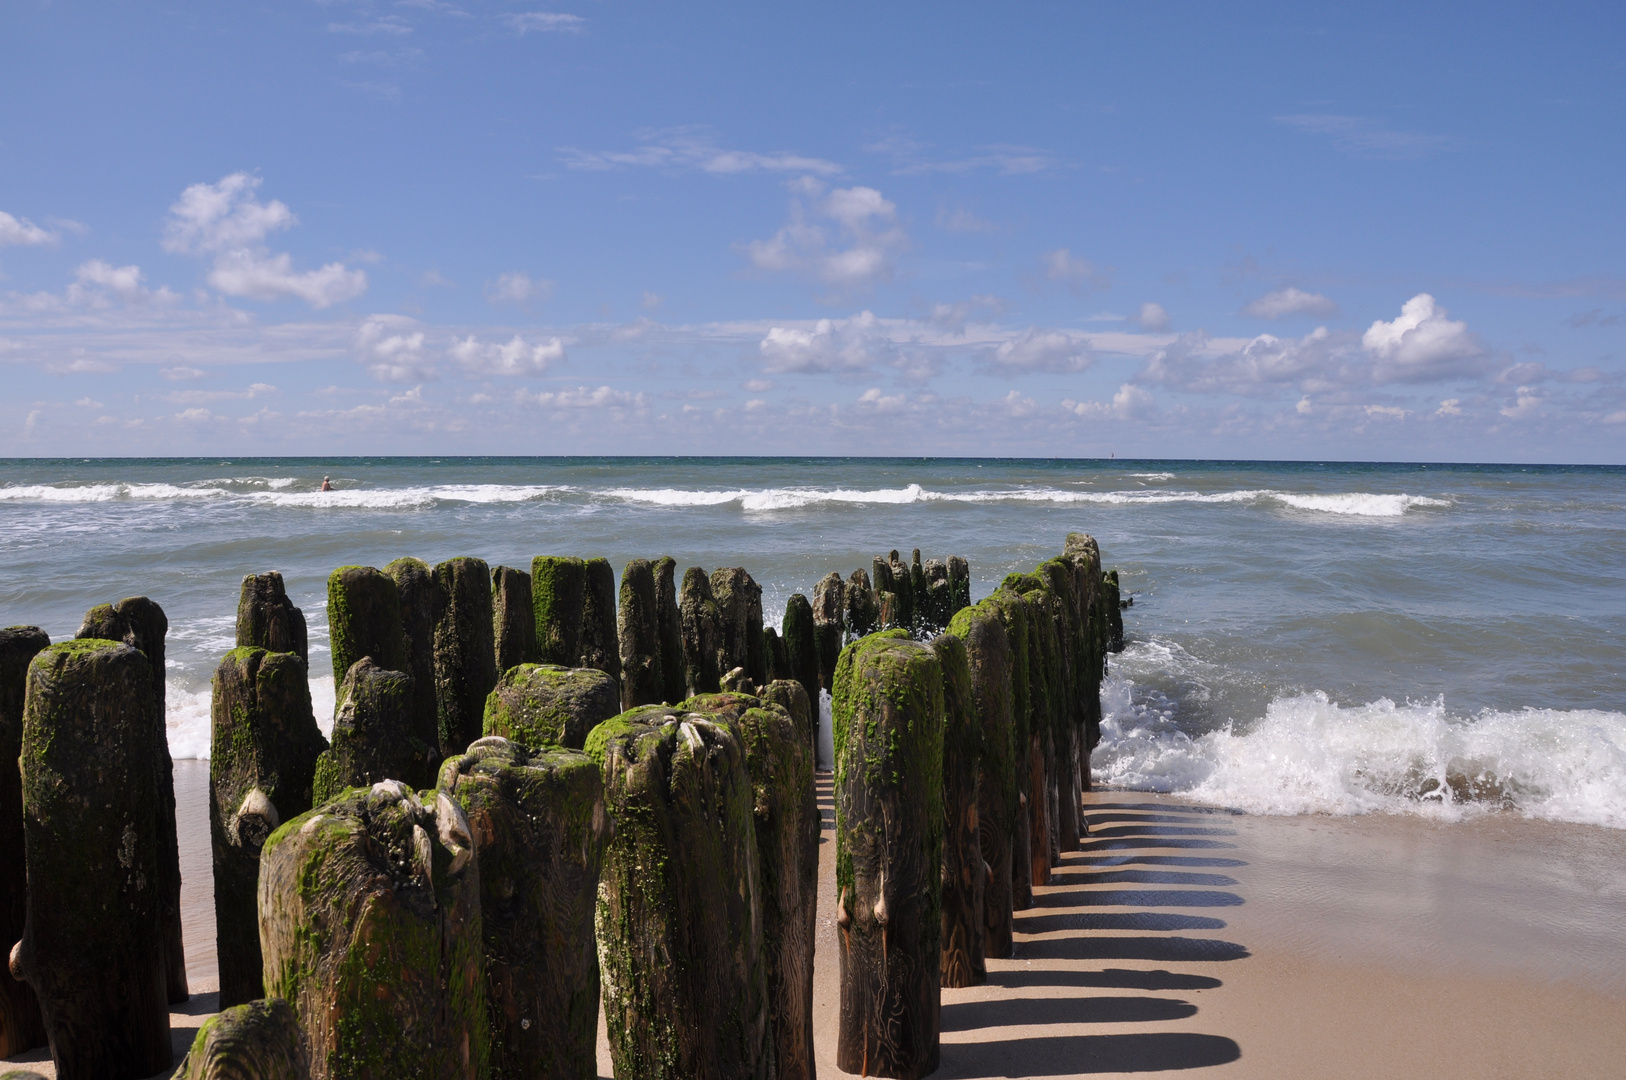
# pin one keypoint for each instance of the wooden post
(1013, 615)
(558, 587)
(599, 646)
(642, 680)
(92, 947)
(775, 657)
(370, 926)
(959, 573)
(739, 617)
(141, 623)
(539, 822)
(697, 610)
(538, 705)
(513, 621)
(465, 654)
(889, 847)
(21, 1027)
(863, 610)
(267, 619)
(669, 624)
(259, 1040)
(1061, 576)
(679, 921)
(264, 744)
(364, 619)
(829, 623)
(988, 653)
(372, 733)
(800, 638)
(423, 605)
(965, 876)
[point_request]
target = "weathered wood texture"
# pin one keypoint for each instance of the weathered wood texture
(267, 619)
(423, 604)
(370, 928)
(364, 619)
(539, 823)
(698, 618)
(1067, 616)
(465, 653)
(264, 744)
(888, 708)
(773, 731)
(1013, 616)
(775, 657)
(643, 680)
(739, 620)
(965, 875)
(141, 623)
(669, 624)
(988, 655)
(21, 1027)
(599, 648)
(829, 623)
(679, 921)
(513, 620)
(1115, 614)
(91, 947)
(801, 645)
(258, 1040)
(558, 587)
(538, 705)
(372, 733)
(861, 609)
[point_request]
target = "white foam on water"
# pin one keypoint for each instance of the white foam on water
(407, 498)
(92, 493)
(187, 725)
(1308, 754)
(825, 757)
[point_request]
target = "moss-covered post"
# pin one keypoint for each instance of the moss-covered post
(669, 625)
(264, 743)
(21, 1027)
(558, 587)
(599, 646)
(1105, 622)
(965, 876)
(801, 644)
(372, 733)
(513, 623)
(1115, 613)
(739, 617)
(697, 610)
(260, 1040)
(92, 948)
(779, 756)
(465, 653)
(370, 926)
(936, 600)
(888, 717)
(364, 619)
(267, 619)
(862, 610)
(775, 657)
(988, 654)
(540, 705)
(1061, 578)
(679, 920)
(539, 823)
(423, 604)
(141, 623)
(902, 590)
(643, 682)
(1013, 615)
(829, 624)
(959, 575)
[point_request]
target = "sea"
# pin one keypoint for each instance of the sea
(1439, 640)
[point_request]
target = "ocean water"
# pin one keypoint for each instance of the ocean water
(1339, 638)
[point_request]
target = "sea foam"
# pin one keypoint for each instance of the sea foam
(186, 716)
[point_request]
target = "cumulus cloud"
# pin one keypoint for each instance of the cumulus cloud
(1263, 365)
(224, 220)
(518, 288)
(953, 317)
(582, 397)
(1291, 301)
(875, 401)
(525, 22)
(517, 357)
(1129, 403)
(1152, 317)
(860, 250)
(1422, 345)
(22, 232)
(683, 149)
(1526, 402)
(830, 345)
(1036, 350)
(96, 281)
(1449, 407)
(392, 348)
(1077, 274)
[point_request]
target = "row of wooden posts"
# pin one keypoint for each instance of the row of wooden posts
(654, 832)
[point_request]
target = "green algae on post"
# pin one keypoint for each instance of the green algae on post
(669, 624)
(538, 705)
(258, 1040)
(267, 619)
(423, 603)
(372, 733)
(364, 619)
(513, 621)
(829, 624)
(698, 622)
(558, 585)
(800, 638)
(21, 1027)
(465, 654)
(739, 620)
(599, 645)
(964, 878)
(643, 681)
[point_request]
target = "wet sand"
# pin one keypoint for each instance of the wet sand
(1188, 938)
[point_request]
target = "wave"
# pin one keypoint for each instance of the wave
(1308, 754)
(187, 723)
(408, 498)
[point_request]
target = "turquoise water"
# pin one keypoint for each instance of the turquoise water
(1304, 637)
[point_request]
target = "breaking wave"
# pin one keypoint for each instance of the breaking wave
(187, 723)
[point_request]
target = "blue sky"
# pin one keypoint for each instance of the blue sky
(1182, 229)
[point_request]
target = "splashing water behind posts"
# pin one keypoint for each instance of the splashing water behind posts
(1334, 638)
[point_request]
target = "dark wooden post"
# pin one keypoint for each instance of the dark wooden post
(513, 620)
(370, 925)
(888, 712)
(697, 610)
(965, 876)
(1013, 615)
(264, 743)
(267, 619)
(260, 1040)
(643, 682)
(538, 705)
(141, 623)
(465, 654)
(364, 619)
(1061, 576)
(669, 624)
(92, 948)
(739, 616)
(558, 588)
(21, 1027)
(423, 605)
(829, 623)
(988, 653)
(800, 630)
(959, 573)
(680, 915)
(372, 733)
(539, 822)
(863, 610)
(599, 646)
(775, 657)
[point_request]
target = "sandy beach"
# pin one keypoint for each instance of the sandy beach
(1190, 938)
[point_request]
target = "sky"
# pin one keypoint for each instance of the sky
(1280, 231)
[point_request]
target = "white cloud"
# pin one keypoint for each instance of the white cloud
(1033, 350)
(22, 232)
(954, 317)
(95, 280)
(859, 252)
(1527, 401)
(1061, 265)
(756, 386)
(1261, 366)
(961, 220)
(1129, 403)
(1154, 318)
(582, 398)
(1291, 301)
(1387, 412)
(829, 345)
(392, 25)
(392, 348)
(1449, 407)
(544, 22)
(1422, 345)
(517, 357)
(879, 402)
(260, 275)
(517, 287)
(688, 148)
(182, 372)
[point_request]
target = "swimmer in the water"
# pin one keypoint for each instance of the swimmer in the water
(326, 486)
